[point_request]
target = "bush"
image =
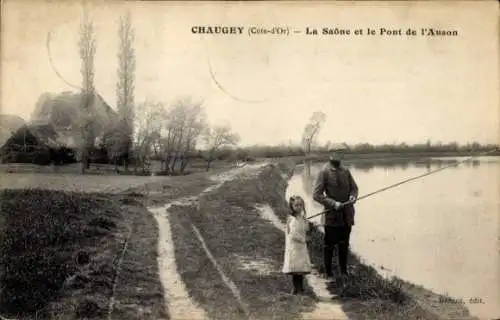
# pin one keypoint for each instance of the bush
(62, 155)
(99, 155)
(40, 156)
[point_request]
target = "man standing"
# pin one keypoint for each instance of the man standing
(334, 186)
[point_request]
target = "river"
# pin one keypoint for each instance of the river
(440, 231)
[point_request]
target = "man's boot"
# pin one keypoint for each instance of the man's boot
(328, 257)
(342, 255)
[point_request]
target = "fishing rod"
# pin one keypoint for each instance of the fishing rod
(407, 180)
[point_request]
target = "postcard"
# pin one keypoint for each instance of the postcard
(249, 160)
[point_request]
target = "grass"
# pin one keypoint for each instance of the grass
(233, 228)
(195, 166)
(43, 230)
(139, 293)
(368, 295)
(232, 207)
(72, 182)
(166, 189)
(65, 247)
(40, 232)
(202, 281)
(59, 252)
(382, 298)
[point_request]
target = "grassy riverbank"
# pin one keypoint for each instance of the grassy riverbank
(48, 236)
(249, 250)
(246, 248)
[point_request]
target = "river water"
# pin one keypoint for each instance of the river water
(441, 231)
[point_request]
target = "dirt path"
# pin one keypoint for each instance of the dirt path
(325, 308)
(180, 304)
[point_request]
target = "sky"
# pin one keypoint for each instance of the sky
(376, 89)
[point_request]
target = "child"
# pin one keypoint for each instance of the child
(296, 260)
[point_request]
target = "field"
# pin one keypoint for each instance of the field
(99, 178)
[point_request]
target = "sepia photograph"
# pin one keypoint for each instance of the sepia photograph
(321, 160)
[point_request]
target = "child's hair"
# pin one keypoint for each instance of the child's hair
(294, 199)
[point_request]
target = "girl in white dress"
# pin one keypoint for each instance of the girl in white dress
(296, 258)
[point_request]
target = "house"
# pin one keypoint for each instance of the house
(65, 113)
(56, 124)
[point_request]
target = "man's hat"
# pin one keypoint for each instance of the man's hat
(335, 155)
(337, 152)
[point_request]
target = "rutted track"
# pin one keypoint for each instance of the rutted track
(180, 304)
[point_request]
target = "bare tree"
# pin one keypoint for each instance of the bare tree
(312, 129)
(194, 125)
(125, 87)
(87, 49)
(216, 138)
(147, 131)
(170, 134)
(183, 124)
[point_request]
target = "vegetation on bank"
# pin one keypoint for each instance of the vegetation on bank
(368, 295)
(66, 247)
(248, 249)
(59, 253)
(235, 233)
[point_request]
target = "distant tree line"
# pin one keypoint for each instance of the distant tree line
(170, 136)
(283, 150)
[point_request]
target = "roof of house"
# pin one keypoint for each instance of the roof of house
(65, 113)
(64, 109)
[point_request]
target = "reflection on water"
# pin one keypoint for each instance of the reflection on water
(440, 231)
(307, 178)
(427, 163)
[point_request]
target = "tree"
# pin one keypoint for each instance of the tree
(182, 126)
(312, 129)
(125, 88)
(87, 49)
(217, 138)
(147, 130)
(116, 142)
(169, 134)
